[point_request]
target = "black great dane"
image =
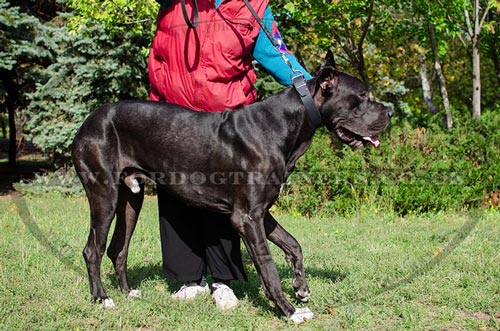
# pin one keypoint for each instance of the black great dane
(231, 162)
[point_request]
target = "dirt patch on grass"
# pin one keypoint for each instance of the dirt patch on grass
(480, 316)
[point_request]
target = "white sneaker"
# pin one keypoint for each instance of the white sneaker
(224, 297)
(190, 291)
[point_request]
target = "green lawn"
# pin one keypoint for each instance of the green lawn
(371, 272)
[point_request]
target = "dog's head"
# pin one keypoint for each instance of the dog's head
(346, 107)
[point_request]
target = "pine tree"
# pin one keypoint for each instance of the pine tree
(22, 53)
(92, 67)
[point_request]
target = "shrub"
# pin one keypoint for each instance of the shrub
(415, 170)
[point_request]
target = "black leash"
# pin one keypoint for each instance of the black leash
(195, 21)
(297, 76)
(261, 23)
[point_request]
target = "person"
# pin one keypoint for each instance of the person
(201, 57)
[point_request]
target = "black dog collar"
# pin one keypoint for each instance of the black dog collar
(299, 82)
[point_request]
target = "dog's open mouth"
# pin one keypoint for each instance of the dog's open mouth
(355, 140)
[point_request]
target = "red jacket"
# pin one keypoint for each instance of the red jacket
(208, 68)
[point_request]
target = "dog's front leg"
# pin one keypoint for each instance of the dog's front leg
(293, 252)
(251, 230)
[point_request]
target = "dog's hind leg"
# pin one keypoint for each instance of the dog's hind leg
(251, 230)
(293, 253)
(102, 201)
(127, 212)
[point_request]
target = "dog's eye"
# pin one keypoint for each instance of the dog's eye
(363, 96)
(354, 101)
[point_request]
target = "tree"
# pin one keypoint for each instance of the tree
(97, 60)
(116, 16)
(22, 55)
(440, 75)
(474, 26)
(431, 16)
(322, 23)
(471, 17)
(491, 41)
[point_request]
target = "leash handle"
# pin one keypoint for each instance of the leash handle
(195, 21)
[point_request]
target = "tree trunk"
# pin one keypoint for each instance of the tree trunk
(476, 79)
(426, 86)
(11, 102)
(361, 66)
(12, 137)
(440, 75)
(476, 62)
(4, 128)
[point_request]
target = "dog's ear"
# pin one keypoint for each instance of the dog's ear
(327, 79)
(329, 60)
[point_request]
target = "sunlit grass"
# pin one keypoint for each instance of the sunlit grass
(371, 271)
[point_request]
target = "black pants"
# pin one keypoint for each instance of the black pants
(193, 240)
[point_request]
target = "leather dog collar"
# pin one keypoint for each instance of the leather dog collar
(300, 85)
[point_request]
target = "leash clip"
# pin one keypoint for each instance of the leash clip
(299, 82)
(285, 59)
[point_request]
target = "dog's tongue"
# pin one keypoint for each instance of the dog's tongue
(372, 140)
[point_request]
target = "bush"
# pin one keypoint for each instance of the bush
(415, 170)
(63, 181)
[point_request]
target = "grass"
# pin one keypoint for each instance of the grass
(368, 272)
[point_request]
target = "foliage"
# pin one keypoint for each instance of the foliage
(414, 171)
(22, 52)
(95, 67)
(101, 57)
(63, 181)
(396, 38)
(17, 34)
(117, 16)
(98, 54)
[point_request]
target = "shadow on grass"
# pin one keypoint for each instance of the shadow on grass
(251, 290)
(24, 170)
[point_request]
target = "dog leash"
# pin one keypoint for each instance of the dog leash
(298, 80)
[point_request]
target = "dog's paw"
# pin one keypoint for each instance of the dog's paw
(108, 303)
(303, 295)
(302, 292)
(301, 315)
(134, 294)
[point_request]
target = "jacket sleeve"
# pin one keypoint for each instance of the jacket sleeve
(270, 58)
